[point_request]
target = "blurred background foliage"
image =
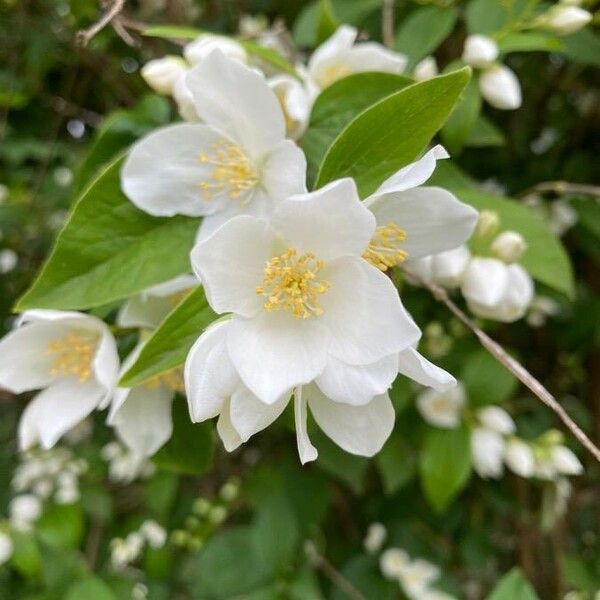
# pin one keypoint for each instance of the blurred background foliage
(65, 110)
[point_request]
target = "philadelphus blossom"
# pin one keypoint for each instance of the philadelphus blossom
(72, 357)
(442, 408)
(340, 56)
(236, 162)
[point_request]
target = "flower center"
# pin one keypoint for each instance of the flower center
(173, 380)
(384, 250)
(333, 73)
(73, 354)
(291, 283)
(232, 173)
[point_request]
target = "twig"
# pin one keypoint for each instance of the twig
(321, 563)
(518, 370)
(561, 188)
(85, 35)
(387, 23)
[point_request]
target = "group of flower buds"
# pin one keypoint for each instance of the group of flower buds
(123, 465)
(125, 551)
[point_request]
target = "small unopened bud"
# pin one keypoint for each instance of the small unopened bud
(6, 547)
(564, 19)
(217, 515)
(501, 88)
(552, 437)
(376, 534)
(202, 507)
(162, 73)
(509, 246)
(480, 51)
(230, 491)
(487, 223)
(519, 457)
(565, 461)
(426, 69)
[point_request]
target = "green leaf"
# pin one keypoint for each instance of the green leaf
(485, 134)
(363, 571)
(26, 558)
(92, 588)
(109, 250)
(423, 31)
(169, 344)
(338, 104)
(326, 21)
(61, 525)
(395, 463)
(479, 372)
(545, 257)
(268, 55)
(445, 465)
(513, 586)
(227, 566)
(173, 32)
(530, 42)
(461, 122)
(484, 16)
(583, 47)
(392, 133)
(191, 447)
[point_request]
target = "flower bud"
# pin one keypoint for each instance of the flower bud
(500, 87)
(565, 461)
(376, 534)
(162, 73)
(496, 419)
(564, 19)
(487, 223)
(184, 100)
(519, 457)
(479, 51)
(426, 69)
(154, 533)
(509, 246)
(487, 450)
(196, 51)
(393, 562)
(442, 409)
(24, 510)
(6, 547)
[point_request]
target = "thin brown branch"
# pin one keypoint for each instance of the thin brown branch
(387, 23)
(562, 188)
(516, 368)
(85, 35)
(321, 563)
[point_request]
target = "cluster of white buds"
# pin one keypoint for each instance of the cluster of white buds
(124, 466)
(50, 474)
(125, 551)
(23, 511)
(497, 83)
(564, 18)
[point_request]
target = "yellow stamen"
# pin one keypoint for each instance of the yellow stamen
(74, 354)
(333, 73)
(172, 380)
(232, 173)
(291, 283)
(384, 249)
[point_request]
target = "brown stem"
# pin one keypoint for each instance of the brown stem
(387, 23)
(85, 35)
(561, 188)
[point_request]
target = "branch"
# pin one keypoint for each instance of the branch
(85, 35)
(518, 370)
(562, 187)
(387, 23)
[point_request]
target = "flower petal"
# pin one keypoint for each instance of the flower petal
(229, 436)
(340, 42)
(284, 171)
(238, 101)
(485, 282)
(106, 364)
(434, 219)
(231, 262)
(357, 385)
(330, 222)
(306, 450)
(249, 415)
(163, 172)
(364, 314)
(419, 369)
(56, 410)
(359, 430)
(209, 376)
(371, 56)
(274, 352)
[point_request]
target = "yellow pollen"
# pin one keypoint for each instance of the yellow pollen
(333, 73)
(172, 380)
(384, 249)
(232, 173)
(291, 283)
(73, 354)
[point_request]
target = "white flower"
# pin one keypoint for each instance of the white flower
(442, 409)
(494, 290)
(72, 356)
(154, 533)
(185, 100)
(564, 19)
(151, 306)
(426, 69)
(200, 49)
(480, 51)
(376, 534)
(497, 419)
(237, 162)
(303, 297)
(509, 246)
(500, 87)
(565, 461)
(8, 260)
(415, 220)
(162, 73)
(519, 457)
(340, 56)
(487, 451)
(392, 562)
(417, 576)
(446, 268)
(23, 510)
(295, 101)
(6, 547)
